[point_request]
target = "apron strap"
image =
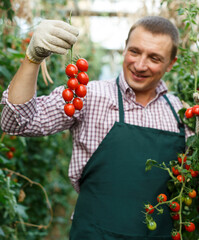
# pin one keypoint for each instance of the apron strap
(180, 125)
(121, 108)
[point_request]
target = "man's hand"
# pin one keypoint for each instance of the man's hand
(51, 36)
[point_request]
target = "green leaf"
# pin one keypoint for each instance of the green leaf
(2, 232)
(149, 164)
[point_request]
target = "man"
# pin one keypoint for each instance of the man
(124, 122)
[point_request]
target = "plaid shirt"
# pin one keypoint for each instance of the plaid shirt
(44, 115)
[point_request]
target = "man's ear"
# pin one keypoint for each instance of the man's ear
(171, 64)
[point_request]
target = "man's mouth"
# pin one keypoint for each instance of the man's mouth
(139, 76)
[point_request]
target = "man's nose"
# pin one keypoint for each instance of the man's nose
(141, 64)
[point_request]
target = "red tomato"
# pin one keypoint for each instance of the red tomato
(196, 110)
(182, 157)
(69, 109)
(192, 194)
(162, 198)
(78, 103)
(67, 94)
(187, 166)
(82, 64)
(81, 90)
(149, 208)
(175, 216)
(176, 236)
(194, 173)
(72, 83)
(175, 170)
(12, 149)
(190, 227)
(174, 206)
(9, 154)
(83, 78)
(189, 112)
(71, 70)
(180, 178)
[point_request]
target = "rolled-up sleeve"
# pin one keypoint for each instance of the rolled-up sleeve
(39, 116)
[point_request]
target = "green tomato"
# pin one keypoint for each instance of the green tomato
(152, 225)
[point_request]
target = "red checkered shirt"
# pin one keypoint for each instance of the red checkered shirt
(44, 115)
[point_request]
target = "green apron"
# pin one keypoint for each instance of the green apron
(114, 185)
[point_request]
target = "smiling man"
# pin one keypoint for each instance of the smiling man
(124, 122)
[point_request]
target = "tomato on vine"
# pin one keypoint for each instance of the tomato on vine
(192, 193)
(195, 110)
(71, 70)
(67, 94)
(182, 157)
(189, 112)
(9, 154)
(72, 83)
(188, 201)
(181, 178)
(176, 236)
(162, 198)
(175, 170)
(78, 103)
(174, 206)
(152, 225)
(81, 90)
(190, 227)
(193, 173)
(82, 64)
(69, 109)
(149, 208)
(175, 216)
(83, 78)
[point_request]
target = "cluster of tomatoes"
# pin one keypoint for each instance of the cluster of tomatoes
(192, 111)
(78, 79)
(174, 205)
(10, 153)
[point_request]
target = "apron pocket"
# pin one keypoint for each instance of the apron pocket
(104, 234)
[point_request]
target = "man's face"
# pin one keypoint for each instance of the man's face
(146, 59)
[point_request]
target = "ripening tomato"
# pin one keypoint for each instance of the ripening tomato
(71, 70)
(83, 78)
(69, 109)
(175, 216)
(196, 110)
(176, 236)
(149, 208)
(192, 193)
(187, 166)
(189, 112)
(82, 64)
(152, 225)
(181, 178)
(67, 94)
(188, 201)
(78, 103)
(9, 154)
(190, 227)
(174, 206)
(81, 90)
(175, 170)
(182, 157)
(72, 83)
(162, 198)
(193, 173)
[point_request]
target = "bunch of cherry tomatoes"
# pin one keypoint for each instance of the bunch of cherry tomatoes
(78, 79)
(173, 204)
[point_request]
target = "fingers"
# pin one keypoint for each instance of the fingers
(63, 35)
(66, 27)
(58, 45)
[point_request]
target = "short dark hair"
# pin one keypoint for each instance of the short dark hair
(159, 25)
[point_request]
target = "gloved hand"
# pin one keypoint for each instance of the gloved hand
(51, 36)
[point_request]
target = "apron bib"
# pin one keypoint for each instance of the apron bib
(114, 185)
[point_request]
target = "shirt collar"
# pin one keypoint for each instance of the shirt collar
(124, 87)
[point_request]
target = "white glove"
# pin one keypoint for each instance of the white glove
(51, 36)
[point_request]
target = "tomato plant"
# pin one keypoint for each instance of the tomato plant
(152, 225)
(149, 208)
(192, 193)
(174, 206)
(176, 236)
(162, 197)
(189, 112)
